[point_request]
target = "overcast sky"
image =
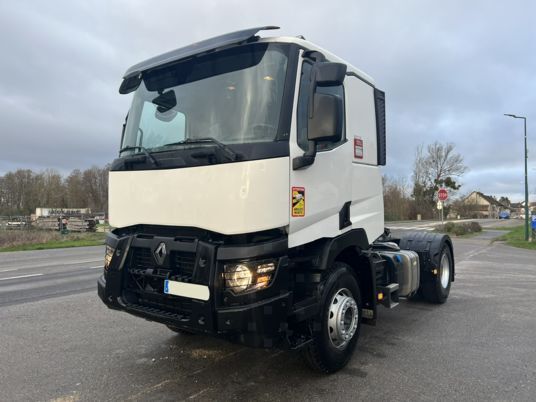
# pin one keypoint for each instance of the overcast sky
(449, 69)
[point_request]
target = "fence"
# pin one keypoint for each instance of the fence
(72, 224)
(15, 223)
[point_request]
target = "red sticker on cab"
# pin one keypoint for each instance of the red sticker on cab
(358, 147)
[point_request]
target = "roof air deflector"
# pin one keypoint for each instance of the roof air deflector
(193, 49)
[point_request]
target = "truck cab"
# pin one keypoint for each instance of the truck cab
(247, 201)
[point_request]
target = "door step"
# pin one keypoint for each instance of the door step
(388, 295)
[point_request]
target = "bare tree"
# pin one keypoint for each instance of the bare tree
(23, 190)
(439, 166)
(441, 163)
(396, 199)
(75, 191)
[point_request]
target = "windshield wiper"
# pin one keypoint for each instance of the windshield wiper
(143, 149)
(226, 150)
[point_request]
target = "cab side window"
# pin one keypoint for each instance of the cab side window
(303, 102)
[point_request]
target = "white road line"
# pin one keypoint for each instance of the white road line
(411, 228)
(9, 270)
(54, 264)
(19, 277)
(98, 266)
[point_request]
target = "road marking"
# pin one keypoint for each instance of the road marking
(9, 270)
(411, 228)
(147, 390)
(55, 264)
(198, 393)
(20, 276)
(98, 266)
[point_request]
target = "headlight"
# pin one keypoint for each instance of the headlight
(108, 256)
(252, 275)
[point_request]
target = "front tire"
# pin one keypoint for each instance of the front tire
(438, 289)
(336, 328)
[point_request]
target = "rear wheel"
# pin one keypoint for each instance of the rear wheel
(438, 289)
(336, 328)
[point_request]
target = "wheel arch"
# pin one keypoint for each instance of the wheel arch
(350, 248)
(428, 246)
(361, 267)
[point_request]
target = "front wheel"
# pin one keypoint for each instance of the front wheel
(336, 328)
(438, 289)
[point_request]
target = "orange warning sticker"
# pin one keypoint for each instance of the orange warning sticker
(298, 201)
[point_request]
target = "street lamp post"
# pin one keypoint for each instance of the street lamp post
(526, 179)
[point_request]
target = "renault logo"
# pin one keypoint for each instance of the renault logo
(160, 253)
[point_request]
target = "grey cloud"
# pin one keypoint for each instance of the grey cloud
(450, 69)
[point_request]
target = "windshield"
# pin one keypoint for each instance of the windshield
(232, 96)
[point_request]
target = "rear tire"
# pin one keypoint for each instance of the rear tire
(438, 289)
(336, 328)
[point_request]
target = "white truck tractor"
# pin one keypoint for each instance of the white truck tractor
(247, 200)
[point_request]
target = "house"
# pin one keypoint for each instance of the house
(517, 209)
(479, 205)
(532, 208)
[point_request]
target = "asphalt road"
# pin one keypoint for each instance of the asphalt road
(34, 275)
(480, 345)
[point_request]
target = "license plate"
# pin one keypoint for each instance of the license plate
(190, 290)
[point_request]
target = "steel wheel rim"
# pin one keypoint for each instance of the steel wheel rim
(445, 271)
(343, 317)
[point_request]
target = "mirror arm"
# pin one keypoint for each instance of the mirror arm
(123, 132)
(312, 90)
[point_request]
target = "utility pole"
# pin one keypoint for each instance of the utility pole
(526, 177)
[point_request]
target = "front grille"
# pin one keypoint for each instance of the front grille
(181, 264)
(144, 282)
(141, 258)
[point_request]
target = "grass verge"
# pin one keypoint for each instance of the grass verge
(44, 240)
(516, 238)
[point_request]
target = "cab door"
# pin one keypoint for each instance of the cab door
(321, 192)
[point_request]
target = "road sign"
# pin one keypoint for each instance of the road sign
(442, 194)
(439, 205)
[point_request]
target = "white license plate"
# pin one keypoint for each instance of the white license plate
(190, 290)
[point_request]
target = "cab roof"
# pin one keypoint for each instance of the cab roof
(229, 39)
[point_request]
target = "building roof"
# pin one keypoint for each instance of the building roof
(491, 200)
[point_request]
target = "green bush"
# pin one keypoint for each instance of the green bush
(475, 227)
(460, 230)
(449, 227)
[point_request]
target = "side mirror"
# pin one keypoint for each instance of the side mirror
(325, 111)
(324, 74)
(325, 124)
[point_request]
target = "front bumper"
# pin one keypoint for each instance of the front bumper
(257, 319)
